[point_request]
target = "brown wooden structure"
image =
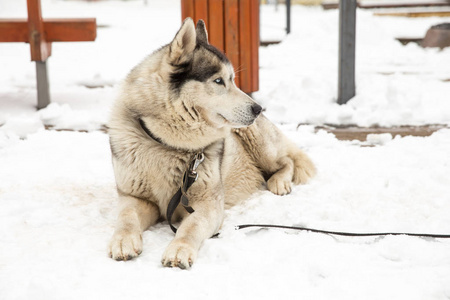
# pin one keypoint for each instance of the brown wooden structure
(40, 34)
(233, 27)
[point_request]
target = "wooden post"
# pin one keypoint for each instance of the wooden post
(346, 64)
(216, 29)
(254, 4)
(40, 51)
(231, 26)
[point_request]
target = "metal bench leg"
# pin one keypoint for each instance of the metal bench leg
(43, 92)
(288, 16)
(347, 27)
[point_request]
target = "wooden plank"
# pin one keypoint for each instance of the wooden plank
(254, 17)
(70, 30)
(411, 3)
(56, 30)
(268, 43)
(201, 11)
(13, 30)
(187, 9)
(40, 49)
(231, 22)
(414, 14)
(406, 40)
(330, 5)
(245, 46)
(421, 3)
(216, 25)
(360, 133)
(346, 62)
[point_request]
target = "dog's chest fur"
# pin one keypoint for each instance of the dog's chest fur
(149, 171)
(153, 172)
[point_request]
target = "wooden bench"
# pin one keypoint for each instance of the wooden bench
(40, 34)
(233, 27)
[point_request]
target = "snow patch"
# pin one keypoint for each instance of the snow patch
(379, 139)
(22, 126)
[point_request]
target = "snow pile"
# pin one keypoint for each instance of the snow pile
(21, 126)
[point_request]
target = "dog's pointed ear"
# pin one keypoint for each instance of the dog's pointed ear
(202, 34)
(184, 42)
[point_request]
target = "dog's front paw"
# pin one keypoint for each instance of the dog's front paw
(179, 254)
(125, 245)
(279, 186)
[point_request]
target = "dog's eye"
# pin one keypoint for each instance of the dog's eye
(219, 81)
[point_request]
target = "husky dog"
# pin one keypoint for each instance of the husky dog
(181, 101)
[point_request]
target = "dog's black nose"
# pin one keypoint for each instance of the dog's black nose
(256, 109)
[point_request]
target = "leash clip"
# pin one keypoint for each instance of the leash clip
(189, 177)
(198, 159)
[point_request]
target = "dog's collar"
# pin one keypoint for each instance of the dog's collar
(150, 134)
(157, 139)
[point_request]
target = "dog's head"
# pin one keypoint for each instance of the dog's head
(203, 78)
(185, 92)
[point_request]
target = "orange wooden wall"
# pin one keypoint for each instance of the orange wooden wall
(233, 27)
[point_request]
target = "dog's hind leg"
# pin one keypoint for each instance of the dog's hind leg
(280, 183)
(135, 216)
(295, 167)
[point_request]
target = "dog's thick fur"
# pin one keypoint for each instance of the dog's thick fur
(185, 95)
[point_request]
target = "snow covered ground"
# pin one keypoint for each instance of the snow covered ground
(58, 199)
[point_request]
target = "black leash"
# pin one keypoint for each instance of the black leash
(440, 236)
(189, 177)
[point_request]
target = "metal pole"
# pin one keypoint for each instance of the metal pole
(288, 16)
(43, 92)
(347, 27)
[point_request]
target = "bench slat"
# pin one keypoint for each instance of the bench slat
(56, 30)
